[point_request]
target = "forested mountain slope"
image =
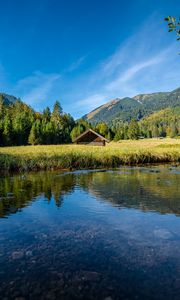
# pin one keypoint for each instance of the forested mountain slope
(165, 122)
(137, 107)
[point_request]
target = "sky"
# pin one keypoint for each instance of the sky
(84, 53)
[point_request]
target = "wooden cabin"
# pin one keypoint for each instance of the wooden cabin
(90, 137)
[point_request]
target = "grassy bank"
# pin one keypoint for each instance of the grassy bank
(28, 158)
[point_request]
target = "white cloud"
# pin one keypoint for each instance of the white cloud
(91, 102)
(132, 70)
(76, 64)
(35, 89)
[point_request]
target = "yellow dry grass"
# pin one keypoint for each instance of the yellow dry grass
(84, 156)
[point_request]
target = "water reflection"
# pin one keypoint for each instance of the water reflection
(19, 191)
(106, 235)
(147, 189)
(143, 188)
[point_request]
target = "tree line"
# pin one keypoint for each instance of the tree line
(165, 123)
(21, 125)
(143, 129)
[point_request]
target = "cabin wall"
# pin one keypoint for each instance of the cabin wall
(93, 143)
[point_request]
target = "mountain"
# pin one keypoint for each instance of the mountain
(8, 99)
(136, 107)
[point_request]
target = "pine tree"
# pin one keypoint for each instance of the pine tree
(46, 116)
(32, 136)
(155, 131)
(173, 130)
(57, 123)
(119, 133)
(57, 111)
(7, 131)
(125, 130)
(76, 131)
(49, 133)
(133, 130)
(68, 124)
(35, 136)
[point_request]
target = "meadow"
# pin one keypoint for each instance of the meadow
(126, 152)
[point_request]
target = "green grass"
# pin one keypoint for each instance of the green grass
(28, 158)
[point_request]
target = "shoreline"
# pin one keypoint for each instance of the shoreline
(152, 165)
(20, 165)
(77, 157)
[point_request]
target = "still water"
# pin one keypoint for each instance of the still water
(91, 234)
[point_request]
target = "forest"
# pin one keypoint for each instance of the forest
(22, 125)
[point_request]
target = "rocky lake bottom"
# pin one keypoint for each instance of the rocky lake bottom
(102, 234)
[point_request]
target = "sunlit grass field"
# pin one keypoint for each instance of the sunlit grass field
(27, 158)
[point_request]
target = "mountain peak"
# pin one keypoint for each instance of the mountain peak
(8, 99)
(176, 90)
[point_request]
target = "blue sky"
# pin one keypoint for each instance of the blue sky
(86, 52)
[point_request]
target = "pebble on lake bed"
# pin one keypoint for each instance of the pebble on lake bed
(17, 254)
(90, 276)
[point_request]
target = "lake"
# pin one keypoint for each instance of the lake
(104, 234)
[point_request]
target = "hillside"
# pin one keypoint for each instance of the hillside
(164, 116)
(136, 107)
(163, 123)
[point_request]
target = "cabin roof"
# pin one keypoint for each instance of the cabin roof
(94, 132)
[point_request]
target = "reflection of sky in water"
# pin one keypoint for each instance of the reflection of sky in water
(107, 234)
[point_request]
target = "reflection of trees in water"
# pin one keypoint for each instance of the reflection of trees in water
(19, 191)
(142, 189)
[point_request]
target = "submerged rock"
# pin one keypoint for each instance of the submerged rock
(28, 253)
(163, 233)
